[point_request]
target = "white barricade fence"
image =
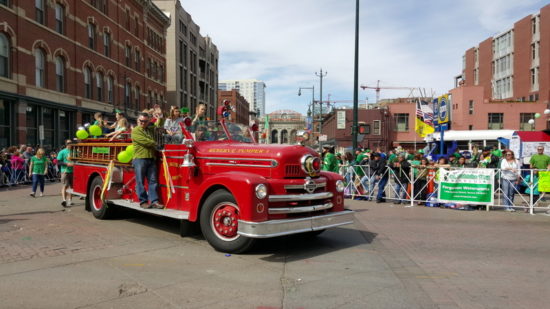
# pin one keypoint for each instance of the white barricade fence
(10, 176)
(463, 188)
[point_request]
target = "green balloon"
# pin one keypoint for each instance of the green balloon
(95, 130)
(124, 157)
(81, 134)
(537, 115)
(130, 149)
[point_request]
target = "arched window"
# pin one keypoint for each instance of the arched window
(40, 68)
(275, 137)
(4, 56)
(99, 85)
(284, 136)
(110, 94)
(87, 83)
(60, 74)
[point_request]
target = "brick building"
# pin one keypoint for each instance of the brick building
(376, 123)
(506, 78)
(240, 114)
(63, 60)
(192, 61)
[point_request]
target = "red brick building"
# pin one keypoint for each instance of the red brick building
(376, 124)
(63, 60)
(240, 114)
(506, 79)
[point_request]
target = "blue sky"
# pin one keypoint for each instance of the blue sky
(402, 43)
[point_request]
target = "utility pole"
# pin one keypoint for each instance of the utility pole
(356, 78)
(320, 74)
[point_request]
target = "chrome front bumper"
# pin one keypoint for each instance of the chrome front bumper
(276, 228)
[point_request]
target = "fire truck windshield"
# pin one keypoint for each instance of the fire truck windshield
(213, 131)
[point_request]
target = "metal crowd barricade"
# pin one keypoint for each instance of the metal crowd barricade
(361, 184)
(10, 176)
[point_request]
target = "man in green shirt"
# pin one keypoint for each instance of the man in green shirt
(539, 161)
(66, 173)
(145, 166)
(330, 163)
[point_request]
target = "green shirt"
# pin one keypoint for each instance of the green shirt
(63, 156)
(330, 163)
(39, 165)
(144, 143)
(540, 161)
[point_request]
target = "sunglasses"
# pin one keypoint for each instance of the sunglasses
(143, 121)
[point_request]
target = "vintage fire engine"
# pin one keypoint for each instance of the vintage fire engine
(218, 177)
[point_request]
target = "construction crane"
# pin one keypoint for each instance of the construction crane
(377, 89)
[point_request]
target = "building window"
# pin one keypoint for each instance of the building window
(87, 83)
(107, 44)
(127, 95)
(524, 124)
(91, 36)
(59, 18)
(110, 94)
(127, 19)
(4, 2)
(470, 127)
(496, 121)
(376, 127)
(40, 12)
(138, 60)
(137, 95)
(127, 55)
(161, 73)
(40, 68)
(136, 29)
(99, 85)
(471, 107)
(60, 74)
(402, 122)
(4, 56)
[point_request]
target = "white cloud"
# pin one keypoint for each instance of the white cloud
(402, 43)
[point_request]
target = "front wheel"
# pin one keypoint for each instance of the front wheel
(219, 223)
(99, 209)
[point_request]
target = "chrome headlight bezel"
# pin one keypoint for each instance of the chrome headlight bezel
(340, 186)
(307, 162)
(261, 191)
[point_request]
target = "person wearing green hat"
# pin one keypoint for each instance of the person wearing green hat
(330, 162)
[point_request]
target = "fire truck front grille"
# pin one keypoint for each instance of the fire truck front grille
(293, 170)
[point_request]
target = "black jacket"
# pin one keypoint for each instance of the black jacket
(402, 172)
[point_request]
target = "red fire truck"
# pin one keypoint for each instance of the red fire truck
(218, 177)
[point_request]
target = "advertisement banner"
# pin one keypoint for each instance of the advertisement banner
(340, 120)
(467, 186)
(443, 114)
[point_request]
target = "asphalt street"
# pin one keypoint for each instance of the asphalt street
(392, 257)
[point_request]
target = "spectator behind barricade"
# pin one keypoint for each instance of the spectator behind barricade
(370, 180)
(28, 154)
(461, 162)
(330, 163)
(488, 159)
(172, 126)
(38, 169)
(120, 126)
(359, 157)
(540, 160)
(4, 169)
(349, 162)
(53, 171)
(378, 169)
(391, 156)
(401, 173)
(339, 159)
(17, 167)
(382, 154)
(421, 180)
(532, 184)
(510, 178)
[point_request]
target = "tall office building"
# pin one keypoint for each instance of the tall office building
(505, 80)
(251, 89)
(192, 61)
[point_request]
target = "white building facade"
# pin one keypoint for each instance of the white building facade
(251, 89)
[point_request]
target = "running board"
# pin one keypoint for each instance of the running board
(171, 213)
(75, 193)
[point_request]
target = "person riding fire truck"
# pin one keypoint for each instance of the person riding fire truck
(219, 179)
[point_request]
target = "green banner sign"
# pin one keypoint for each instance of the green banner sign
(101, 150)
(544, 181)
(467, 186)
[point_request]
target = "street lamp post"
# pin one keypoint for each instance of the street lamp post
(321, 75)
(355, 78)
(312, 88)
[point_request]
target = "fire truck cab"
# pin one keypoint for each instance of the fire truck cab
(220, 178)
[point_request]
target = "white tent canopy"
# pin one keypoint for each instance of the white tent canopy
(473, 135)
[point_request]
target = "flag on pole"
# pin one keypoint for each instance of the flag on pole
(421, 127)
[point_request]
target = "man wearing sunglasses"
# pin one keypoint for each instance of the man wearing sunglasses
(143, 139)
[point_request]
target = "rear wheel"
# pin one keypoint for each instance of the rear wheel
(99, 209)
(219, 223)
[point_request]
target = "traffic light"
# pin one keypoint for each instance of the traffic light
(364, 128)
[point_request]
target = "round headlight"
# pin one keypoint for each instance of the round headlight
(261, 191)
(340, 186)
